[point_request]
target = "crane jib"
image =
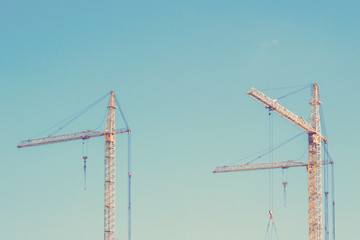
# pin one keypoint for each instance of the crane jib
(66, 137)
(282, 111)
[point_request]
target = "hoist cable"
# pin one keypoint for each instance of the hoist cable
(333, 199)
(284, 182)
(332, 189)
(277, 235)
(129, 167)
(267, 230)
(326, 192)
(271, 223)
(329, 159)
(271, 159)
(129, 187)
(271, 226)
(85, 151)
(328, 154)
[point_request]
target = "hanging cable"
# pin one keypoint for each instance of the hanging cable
(302, 155)
(81, 112)
(277, 146)
(292, 93)
(329, 159)
(129, 187)
(84, 151)
(254, 154)
(266, 151)
(322, 122)
(284, 183)
(285, 177)
(71, 118)
(333, 199)
(271, 223)
(271, 226)
(129, 167)
(270, 89)
(326, 193)
(122, 114)
(271, 159)
(102, 121)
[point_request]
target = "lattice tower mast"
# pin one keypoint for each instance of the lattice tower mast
(314, 170)
(109, 172)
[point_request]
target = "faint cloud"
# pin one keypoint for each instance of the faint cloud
(267, 44)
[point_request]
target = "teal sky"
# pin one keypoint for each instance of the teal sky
(180, 70)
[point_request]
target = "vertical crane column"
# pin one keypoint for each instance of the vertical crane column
(314, 170)
(109, 173)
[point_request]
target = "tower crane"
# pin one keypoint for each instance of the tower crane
(109, 163)
(313, 129)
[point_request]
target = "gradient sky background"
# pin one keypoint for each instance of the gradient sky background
(180, 71)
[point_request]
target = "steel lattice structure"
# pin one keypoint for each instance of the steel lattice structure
(109, 173)
(313, 129)
(109, 162)
(314, 170)
(259, 166)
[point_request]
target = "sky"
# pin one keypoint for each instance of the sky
(180, 70)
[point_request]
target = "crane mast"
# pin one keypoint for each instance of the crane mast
(109, 173)
(314, 170)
